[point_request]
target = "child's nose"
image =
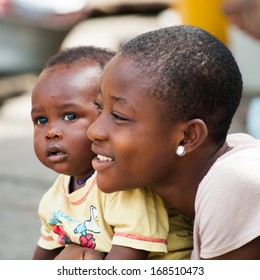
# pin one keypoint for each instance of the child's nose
(53, 134)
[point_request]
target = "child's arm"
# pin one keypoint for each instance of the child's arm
(126, 253)
(43, 254)
(77, 252)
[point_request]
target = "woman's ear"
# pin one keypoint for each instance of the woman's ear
(195, 132)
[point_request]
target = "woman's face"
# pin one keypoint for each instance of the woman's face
(135, 146)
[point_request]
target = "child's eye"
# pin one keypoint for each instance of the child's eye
(98, 105)
(41, 120)
(70, 117)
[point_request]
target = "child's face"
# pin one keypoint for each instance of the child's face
(62, 111)
(135, 144)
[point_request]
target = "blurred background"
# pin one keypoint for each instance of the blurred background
(30, 32)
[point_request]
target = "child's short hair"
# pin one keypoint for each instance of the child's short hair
(191, 72)
(81, 54)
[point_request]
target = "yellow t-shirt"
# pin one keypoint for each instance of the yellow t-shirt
(97, 220)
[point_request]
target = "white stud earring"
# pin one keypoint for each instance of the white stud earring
(180, 151)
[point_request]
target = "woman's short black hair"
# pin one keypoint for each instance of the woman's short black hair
(191, 72)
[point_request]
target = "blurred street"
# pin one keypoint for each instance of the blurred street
(22, 181)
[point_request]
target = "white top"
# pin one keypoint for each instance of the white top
(227, 205)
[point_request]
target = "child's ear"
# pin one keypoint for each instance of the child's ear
(194, 133)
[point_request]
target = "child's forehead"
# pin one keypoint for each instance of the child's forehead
(83, 72)
(72, 67)
(63, 77)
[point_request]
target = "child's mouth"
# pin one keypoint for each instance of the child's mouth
(54, 154)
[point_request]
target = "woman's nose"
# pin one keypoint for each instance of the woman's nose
(96, 130)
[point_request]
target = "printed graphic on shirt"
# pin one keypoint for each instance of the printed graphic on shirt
(87, 239)
(85, 229)
(59, 215)
(63, 236)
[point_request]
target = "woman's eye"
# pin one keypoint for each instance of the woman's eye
(70, 117)
(41, 121)
(119, 117)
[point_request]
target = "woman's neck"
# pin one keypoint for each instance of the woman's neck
(180, 191)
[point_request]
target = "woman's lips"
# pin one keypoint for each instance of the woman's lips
(101, 162)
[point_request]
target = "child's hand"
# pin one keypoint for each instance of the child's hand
(77, 252)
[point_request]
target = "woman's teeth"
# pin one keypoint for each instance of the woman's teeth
(103, 158)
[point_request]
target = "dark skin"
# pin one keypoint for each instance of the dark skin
(61, 113)
(76, 252)
(42, 254)
(131, 125)
(250, 251)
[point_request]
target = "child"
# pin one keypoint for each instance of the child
(172, 93)
(74, 210)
